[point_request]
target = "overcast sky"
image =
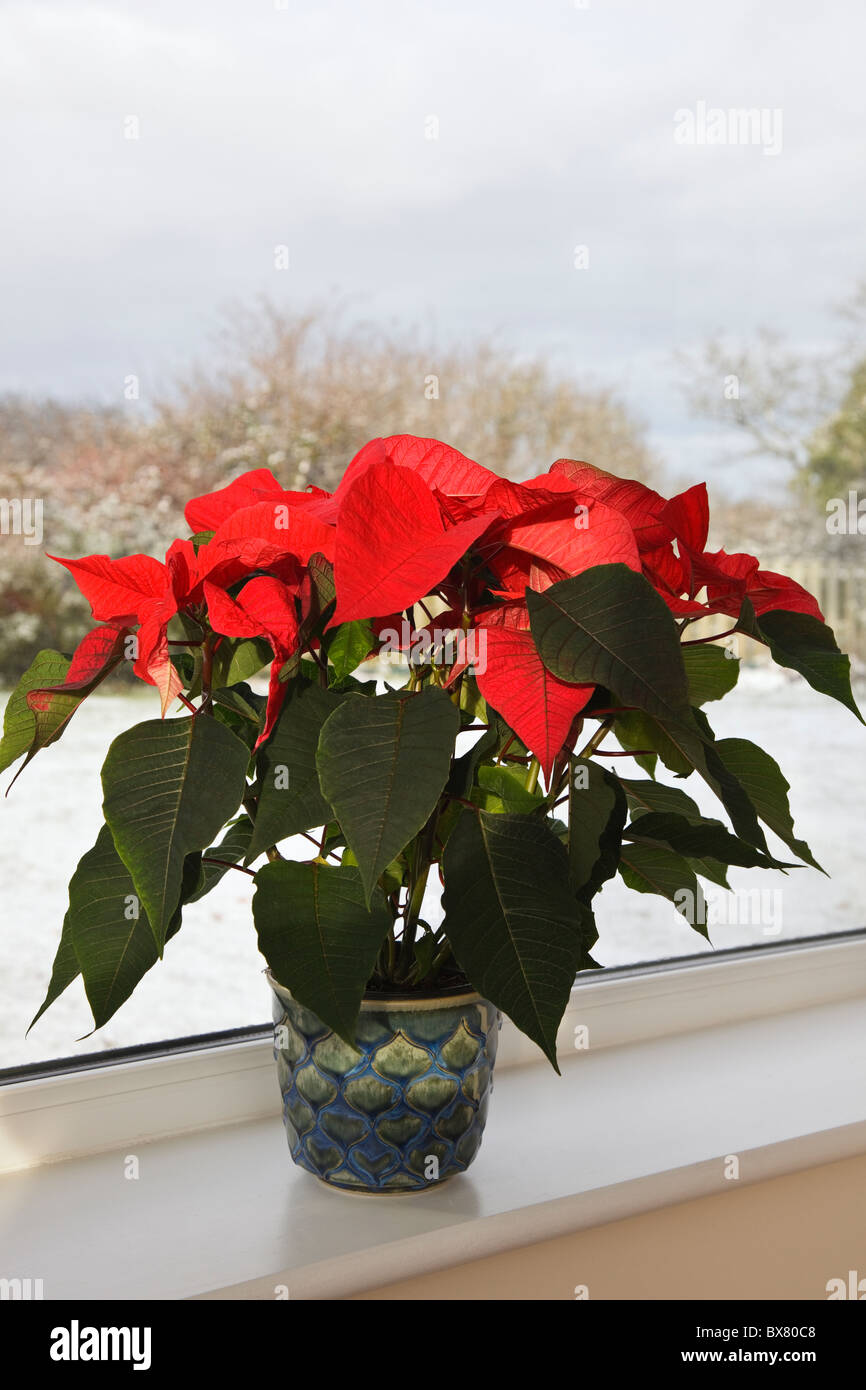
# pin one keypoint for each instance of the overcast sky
(263, 124)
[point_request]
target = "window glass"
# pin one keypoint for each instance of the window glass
(242, 237)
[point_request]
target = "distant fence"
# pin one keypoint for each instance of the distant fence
(840, 588)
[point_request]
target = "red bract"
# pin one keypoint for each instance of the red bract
(208, 512)
(392, 547)
(731, 578)
(437, 464)
(265, 607)
(411, 518)
(95, 656)
(263, 537)
(141, 589)
(639, 504)
(117, 589)
(516, 683)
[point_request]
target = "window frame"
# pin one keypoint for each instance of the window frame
(97, 1103)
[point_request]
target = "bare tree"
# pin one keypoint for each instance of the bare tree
(300, 393)
(806, 408)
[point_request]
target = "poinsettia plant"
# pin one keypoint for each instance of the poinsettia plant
(537, 621)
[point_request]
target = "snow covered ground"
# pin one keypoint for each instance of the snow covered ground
(211, 976)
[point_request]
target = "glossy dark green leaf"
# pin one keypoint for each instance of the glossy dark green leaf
(803, 643)
(169, 787)
(513, 921)
(107, 937)
(596, 815)
(684, 752)
(701, 838)
(711, 869)
(657, 796)
(767, 788)
(289, 797)
(609, 627)
(64, 970)
(217, 859)
(318, 937)
(656, 869)
(383, 764)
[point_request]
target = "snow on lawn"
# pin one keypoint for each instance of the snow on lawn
(211, 976)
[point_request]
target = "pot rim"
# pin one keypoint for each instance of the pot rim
(432, 999)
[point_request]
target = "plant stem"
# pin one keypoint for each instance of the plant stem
(715, 637)
(603, 728)
(532, 775)
(439, 960)
(229, 865)
(313, 841)
(207, 654)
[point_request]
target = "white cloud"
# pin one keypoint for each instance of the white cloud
(306, 126)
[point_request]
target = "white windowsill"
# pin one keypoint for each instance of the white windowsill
(643, 1119)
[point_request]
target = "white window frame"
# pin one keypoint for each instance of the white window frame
(96, 1109)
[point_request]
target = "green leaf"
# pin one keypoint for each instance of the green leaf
(322, 575)
(513, 921)
(350, 646)
(711, 869)
(596, 815)
(424, 951)
(656, 796)
(711, 672)
(472, 702)
(655, 869)
(19, 721)
(636, 730)
(501, 789)
(318, 938)
(392, 877)
(107, 937)
(588, 936)
(290, 799)
(383, 764)
(462, 775)
(700, 838)
(609, 627)
(169, 787)
(243, 701)
(63, 972)
(803, 643)
(684, 752)
(231, 850)
(768, 789)
(237, 661)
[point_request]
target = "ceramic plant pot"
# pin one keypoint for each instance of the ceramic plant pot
(402, 1111)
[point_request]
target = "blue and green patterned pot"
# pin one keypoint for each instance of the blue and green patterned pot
(404, 1111)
